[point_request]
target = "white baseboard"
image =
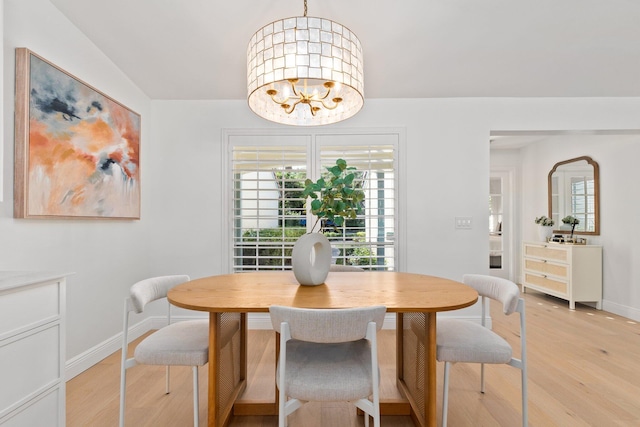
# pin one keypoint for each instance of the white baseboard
(621, 310)
(95, 354)
(80, 363)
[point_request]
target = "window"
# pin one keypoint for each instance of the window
(583, 202)
(267, 213)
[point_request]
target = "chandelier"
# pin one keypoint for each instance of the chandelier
(305, 71)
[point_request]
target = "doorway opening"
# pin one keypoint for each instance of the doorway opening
(500, 226)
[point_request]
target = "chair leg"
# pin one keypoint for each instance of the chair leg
(123, 361)
(525, 406)
(282, 416)
(376, 415)
(196, 408)
(445, 393)
(123, 386)
(482, 378)
(167, 376)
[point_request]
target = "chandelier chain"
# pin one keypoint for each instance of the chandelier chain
(305, 7)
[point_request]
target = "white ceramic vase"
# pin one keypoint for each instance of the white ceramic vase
(544, 232)
(311, 259)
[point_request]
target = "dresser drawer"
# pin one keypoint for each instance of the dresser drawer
(44, 407)
(547, 252)
(29, 364)
(547, 283)
(547, 268)
(28, 307)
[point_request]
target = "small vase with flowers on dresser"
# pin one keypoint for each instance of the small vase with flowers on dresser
(545, 228)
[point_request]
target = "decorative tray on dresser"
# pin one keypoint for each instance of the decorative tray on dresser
(570, 272)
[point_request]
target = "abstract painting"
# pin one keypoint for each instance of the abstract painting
(77, 151)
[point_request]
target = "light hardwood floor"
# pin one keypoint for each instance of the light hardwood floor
(584, 370)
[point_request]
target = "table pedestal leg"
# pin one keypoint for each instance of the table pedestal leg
(416, 364)
(227, 364)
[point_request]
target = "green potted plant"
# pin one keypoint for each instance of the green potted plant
(334, 199)
(545, 228)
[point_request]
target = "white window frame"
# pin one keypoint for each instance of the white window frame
(276, 136)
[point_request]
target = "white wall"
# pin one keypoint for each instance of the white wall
(193, 129)
(447, 141)
(180, 231)
(106, 256)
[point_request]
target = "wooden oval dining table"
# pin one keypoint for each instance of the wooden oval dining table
(415, 298)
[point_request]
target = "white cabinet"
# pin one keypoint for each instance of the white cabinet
(570, 272)
(32, 349)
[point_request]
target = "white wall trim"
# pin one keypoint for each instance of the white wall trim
(95, 354)
(621, 310)
(83, 361)
(227, 134)
(510, 215)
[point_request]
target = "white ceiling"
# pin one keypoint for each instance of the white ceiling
(195, 49)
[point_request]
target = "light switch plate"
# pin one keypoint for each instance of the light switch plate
(463, 223)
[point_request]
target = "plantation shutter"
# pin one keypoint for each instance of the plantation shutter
(265, 227)
(368, 243)
(268, 212)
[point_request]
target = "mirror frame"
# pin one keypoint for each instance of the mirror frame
(596, 194)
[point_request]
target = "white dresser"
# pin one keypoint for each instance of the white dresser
(32, 349)
(570, 272)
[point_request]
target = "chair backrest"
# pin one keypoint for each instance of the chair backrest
(496, 288)
(327, 325)
(345, 268)
(147, 290)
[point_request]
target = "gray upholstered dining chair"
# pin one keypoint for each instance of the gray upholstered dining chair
(468, 342)
(328, 355)
(183, 343)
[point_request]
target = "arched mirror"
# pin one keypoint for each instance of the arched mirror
(574, 191)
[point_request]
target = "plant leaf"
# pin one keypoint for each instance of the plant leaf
(348, 180)
(335, 170)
